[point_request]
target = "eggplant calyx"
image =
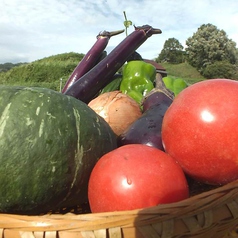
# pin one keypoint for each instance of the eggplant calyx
(149, 30)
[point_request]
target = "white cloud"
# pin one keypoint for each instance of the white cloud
(31, 30)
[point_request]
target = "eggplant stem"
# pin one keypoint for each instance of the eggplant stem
(160, 87)
(110, 33)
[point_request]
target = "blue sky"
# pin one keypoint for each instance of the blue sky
(31, 30)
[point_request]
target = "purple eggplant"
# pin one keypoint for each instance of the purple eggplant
(100, 75)
(94, 55)
(147, 129)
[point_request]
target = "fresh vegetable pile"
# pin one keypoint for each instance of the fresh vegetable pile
(119, 136)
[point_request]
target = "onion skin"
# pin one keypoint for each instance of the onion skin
(118, 110)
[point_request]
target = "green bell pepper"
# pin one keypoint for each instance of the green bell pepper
(137, 79)
(176, 85)
(113, 85)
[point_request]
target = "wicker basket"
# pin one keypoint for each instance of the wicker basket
(209, 214)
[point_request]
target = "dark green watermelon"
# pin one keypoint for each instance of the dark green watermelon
(49, 143)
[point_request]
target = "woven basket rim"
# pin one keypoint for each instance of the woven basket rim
(197, 204)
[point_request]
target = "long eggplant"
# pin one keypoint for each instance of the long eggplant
(93, 56)
(147, 129)
(100, 75)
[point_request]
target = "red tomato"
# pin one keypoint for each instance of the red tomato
(135, 176)
(200, 130)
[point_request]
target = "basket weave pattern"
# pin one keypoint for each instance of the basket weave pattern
(209, 214)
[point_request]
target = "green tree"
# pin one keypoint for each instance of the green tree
(208, 45)
(172, 52)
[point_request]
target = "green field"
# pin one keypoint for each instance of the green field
(183, 70)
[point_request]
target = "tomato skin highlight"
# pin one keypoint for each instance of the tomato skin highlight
(200, 131)
(135, 176)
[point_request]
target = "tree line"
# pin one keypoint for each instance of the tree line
(6, 66)
(209, 50)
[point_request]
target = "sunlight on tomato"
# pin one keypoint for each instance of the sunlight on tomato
(200, 130)
(135, 176)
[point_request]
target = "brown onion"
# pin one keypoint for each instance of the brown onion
(118, 109)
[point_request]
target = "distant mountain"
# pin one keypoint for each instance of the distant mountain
(6, 66)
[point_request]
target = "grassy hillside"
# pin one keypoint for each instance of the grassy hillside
(46, 72)
(183, 70)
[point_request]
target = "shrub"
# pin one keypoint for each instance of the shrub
(220, 69)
